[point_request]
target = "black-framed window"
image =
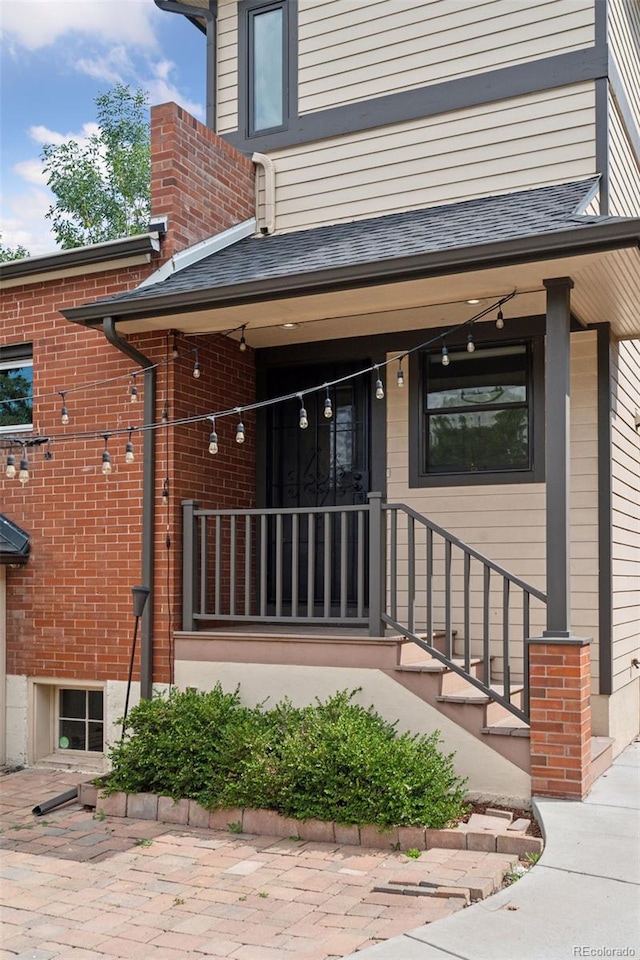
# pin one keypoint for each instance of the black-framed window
(16, 388)
(479, 416)
(267, 65)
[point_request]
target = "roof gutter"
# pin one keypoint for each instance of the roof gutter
(148, 498)
(209, 15)
(599, 238)
(143, 244)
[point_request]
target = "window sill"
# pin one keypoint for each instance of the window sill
(475, 479)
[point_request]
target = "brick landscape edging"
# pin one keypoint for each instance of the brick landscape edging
(149, 806)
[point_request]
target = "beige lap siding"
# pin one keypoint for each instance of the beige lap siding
(507, 522)
(529, 141)
(350, 52)
(624, 173)
(626, 512)
(623, 34)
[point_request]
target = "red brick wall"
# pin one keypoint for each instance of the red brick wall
(69, 610)
(560, 694)
(209, 188)
(226, 480)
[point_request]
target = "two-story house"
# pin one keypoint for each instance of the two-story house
(423, 479)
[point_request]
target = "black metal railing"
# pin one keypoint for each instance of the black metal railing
(377, 565)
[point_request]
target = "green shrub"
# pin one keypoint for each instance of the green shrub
(333, 761)
(173, 744)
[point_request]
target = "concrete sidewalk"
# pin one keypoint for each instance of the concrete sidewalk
(581, 900)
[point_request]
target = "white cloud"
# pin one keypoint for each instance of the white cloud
(24, 221)
(113, 66)
(161, 88)
(31, 172)
(42, 134)
(40, 23)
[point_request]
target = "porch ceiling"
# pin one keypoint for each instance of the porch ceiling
(607, 288)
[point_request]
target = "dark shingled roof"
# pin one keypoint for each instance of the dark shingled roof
(14, 542)
(490, 219)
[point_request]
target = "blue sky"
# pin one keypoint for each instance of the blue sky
(55, 57)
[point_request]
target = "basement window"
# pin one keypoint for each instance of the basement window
(80, 722)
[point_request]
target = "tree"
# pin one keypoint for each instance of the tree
(12, 253)
(102, 187)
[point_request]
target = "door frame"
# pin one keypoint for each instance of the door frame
(325, 352)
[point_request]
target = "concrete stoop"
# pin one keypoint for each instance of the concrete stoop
(498, 833)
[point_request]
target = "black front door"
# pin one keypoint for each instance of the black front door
(326, 464)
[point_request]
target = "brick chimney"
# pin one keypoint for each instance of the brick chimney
(199, 182)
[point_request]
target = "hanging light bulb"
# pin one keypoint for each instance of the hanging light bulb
(240, 436)
(134, 392)
(11, 467)
(243, 342)
(106, 459)
(379, 388)
(400, 375)
(500, 320)
(213, 438)
(445, 357)
(470, 344)
(23, 476)
(328, 407)
(129, 455)
(303, 422)
(196, 366)
(64, 413)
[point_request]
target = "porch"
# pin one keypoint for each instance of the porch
(377, 570)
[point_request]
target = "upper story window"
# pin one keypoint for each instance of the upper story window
(478, 420)
(16, 388)
(267, 64)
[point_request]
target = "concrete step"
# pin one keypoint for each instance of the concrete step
(601, 755)
(493, 712)
(509, 726)
(467, 706)
(449, 681)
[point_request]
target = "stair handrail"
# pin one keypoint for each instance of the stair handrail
(456, 541)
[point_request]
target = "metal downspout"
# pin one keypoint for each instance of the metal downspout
(209, 14)
(148, 498)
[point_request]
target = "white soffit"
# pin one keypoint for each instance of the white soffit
(607, 288)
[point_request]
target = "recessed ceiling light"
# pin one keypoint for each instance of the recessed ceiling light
(473, 301)
(288, 326)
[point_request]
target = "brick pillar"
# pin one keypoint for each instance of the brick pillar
(198, 180)
(560, 689)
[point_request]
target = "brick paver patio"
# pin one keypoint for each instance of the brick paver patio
(76, 886)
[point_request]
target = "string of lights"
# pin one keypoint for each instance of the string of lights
(23, 443)
(130, 375)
